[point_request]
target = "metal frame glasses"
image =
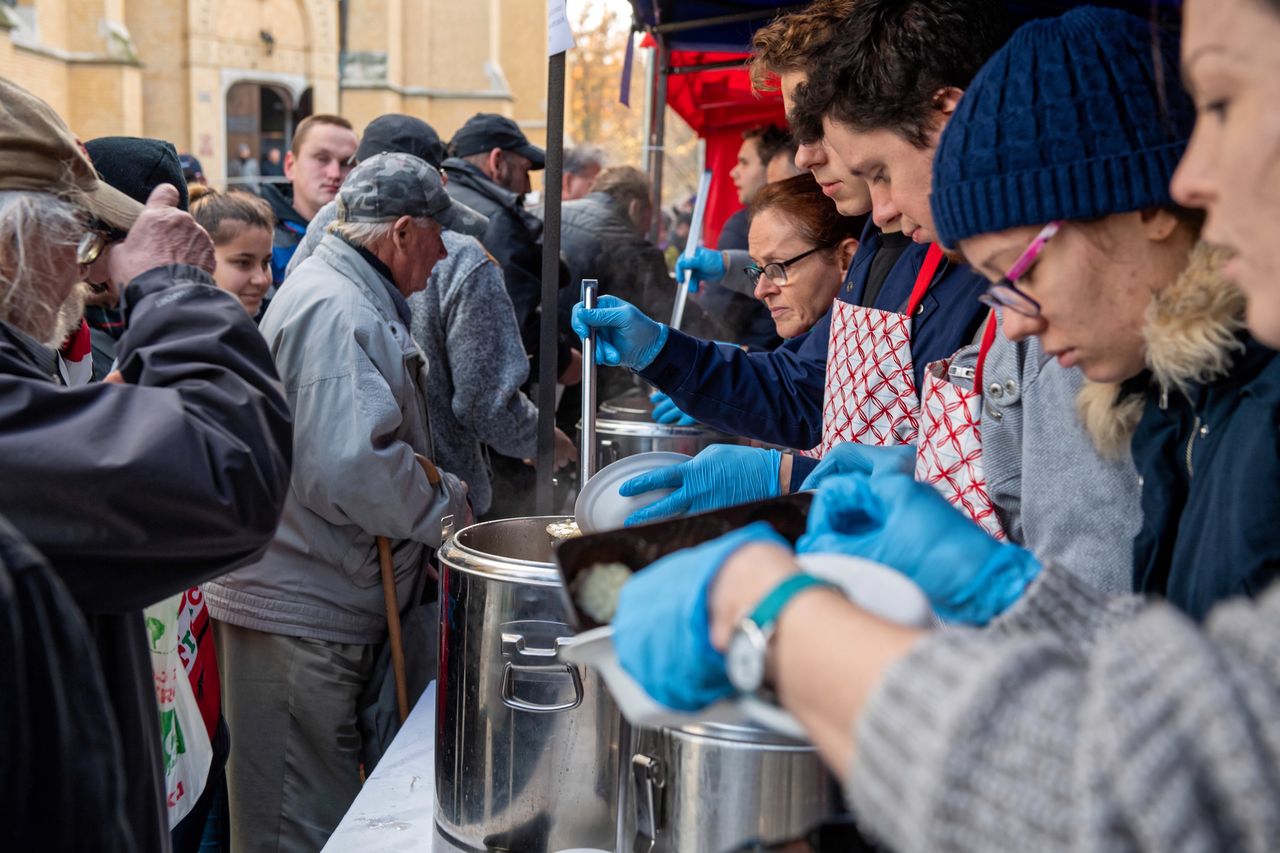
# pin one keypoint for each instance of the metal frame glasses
(776, 272)
(1004, 293)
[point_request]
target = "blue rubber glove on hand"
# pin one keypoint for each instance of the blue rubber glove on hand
(662, 631)
(706, 265)
(891, 519)
(853, 458)
(665, 411)
(625, 337)
(722, 475)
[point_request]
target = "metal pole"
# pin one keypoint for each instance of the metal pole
(658, 127)
(587, 452)
(545, 494)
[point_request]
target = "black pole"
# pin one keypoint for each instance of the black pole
(551, 190)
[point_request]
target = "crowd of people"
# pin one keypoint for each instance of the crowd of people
(1002, 297)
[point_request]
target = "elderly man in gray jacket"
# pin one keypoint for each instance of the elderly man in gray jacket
(298, 631)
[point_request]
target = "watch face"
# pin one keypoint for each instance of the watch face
(745, 658)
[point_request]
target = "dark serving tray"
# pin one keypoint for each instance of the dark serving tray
(638, 546)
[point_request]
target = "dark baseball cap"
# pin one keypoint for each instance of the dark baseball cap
(136, 166)
(485, 131)
(401, 133)
(390, 185)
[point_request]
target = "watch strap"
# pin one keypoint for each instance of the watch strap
(770, 607)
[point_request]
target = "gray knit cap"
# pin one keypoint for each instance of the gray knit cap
(390, 185)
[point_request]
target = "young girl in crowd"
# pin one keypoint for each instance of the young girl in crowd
(1077, 721)
(241, 226)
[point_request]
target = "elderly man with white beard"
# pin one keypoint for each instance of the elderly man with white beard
(134, 489)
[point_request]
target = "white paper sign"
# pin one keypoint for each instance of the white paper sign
(559, 34)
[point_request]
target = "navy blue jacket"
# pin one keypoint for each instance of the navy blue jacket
(776, 397)
(1210, 468)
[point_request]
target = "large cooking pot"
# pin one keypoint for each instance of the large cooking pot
(526, 746)
(625, 427)
(710, 787)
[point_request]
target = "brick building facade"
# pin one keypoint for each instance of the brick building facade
(209, 74)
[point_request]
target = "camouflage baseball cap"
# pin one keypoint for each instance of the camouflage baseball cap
(390, 185)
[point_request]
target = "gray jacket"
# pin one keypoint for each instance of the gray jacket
(1079, 723)
(465, 324)
(356, 383)
(1052, 490)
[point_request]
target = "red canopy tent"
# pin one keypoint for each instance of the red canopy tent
(719, 104)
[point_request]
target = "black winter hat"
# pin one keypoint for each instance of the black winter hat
(135, 166)
(401, 134)
(485, 131)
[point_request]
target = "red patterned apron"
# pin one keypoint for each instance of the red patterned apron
(870, 395)
(949, 447)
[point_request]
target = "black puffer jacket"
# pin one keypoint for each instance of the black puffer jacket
(140, 490)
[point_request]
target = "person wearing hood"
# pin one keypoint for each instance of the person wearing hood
(1078, 720)
(316, 164)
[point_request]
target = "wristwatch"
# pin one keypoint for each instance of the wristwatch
(745, 660)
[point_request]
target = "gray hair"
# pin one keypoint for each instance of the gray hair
(581, 158)
(34, 226)
(368, 234)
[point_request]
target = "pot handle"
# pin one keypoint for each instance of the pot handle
(509, 698)
(650, 777)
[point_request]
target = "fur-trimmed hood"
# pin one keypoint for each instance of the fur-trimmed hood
(1192, 337)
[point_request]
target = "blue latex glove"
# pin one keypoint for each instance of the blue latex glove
(722, 475)
(706, 265)
(625, 337)
(665, 411)
(662, 631)
(892, 519)
(853, 458)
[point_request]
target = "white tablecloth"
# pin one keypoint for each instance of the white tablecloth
(395, 810)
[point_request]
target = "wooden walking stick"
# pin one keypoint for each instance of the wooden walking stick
(393, 605)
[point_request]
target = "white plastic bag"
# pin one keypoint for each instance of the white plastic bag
(185, 740)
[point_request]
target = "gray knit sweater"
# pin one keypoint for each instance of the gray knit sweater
(465, 324)
(1081, 723)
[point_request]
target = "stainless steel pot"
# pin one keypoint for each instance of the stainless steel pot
(625, 427)
(526, 746)
(708, 788)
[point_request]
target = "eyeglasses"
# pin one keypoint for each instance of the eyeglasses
(1004, 293)
(90, 247)
(777, 272)
(94, 241)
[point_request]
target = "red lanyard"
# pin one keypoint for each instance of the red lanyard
(988, 336)
(931, 260)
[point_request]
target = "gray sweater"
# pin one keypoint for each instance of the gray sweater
(467, 328)
(1079, 722)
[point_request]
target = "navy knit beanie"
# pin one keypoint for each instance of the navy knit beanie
(1066, 121)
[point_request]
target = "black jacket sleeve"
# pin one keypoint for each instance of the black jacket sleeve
(137, 491)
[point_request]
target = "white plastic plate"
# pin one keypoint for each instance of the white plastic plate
(599, 506)
(873, 587)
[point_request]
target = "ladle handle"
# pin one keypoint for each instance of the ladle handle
(587, 447)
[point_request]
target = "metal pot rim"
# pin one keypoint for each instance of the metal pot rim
(739, 734)
(464, 558)
(651, 429)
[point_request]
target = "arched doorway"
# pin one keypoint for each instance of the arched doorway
(261, 118)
